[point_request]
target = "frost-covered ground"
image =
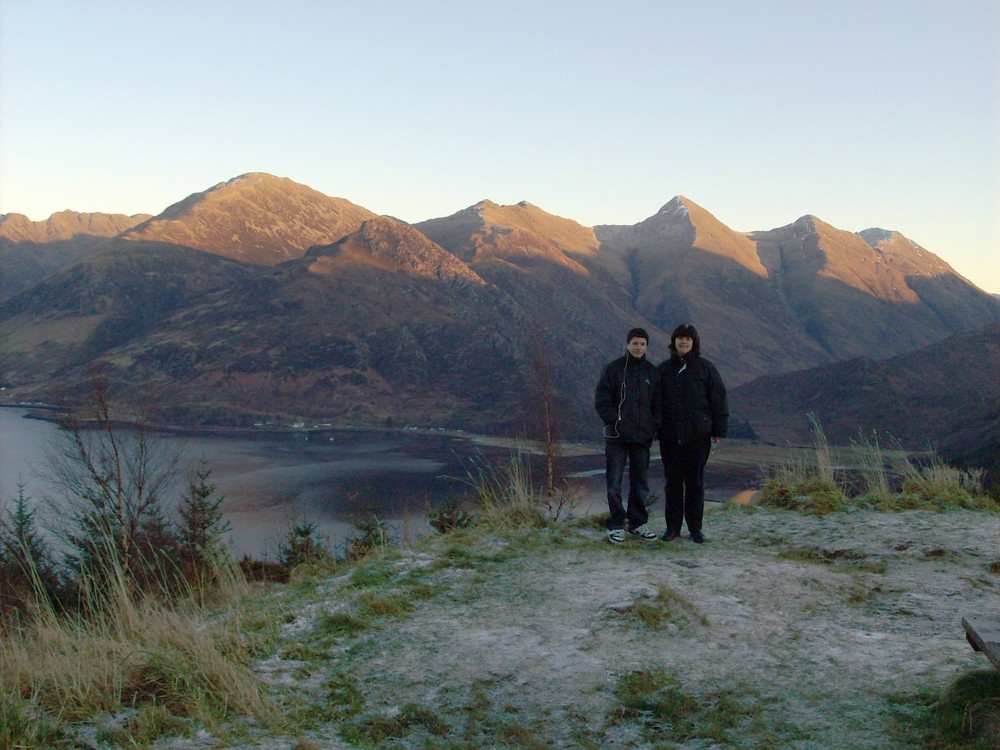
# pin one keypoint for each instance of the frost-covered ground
(783, 631)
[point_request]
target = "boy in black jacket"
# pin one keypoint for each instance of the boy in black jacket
(627, 399)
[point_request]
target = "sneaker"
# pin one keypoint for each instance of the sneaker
(697, 537)
(643, 532)
(616, 536)
(669, 535)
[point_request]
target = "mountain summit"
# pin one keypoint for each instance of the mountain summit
(522, 234)
(255, 218)
(875, 296)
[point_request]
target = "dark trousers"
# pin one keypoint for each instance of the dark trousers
(684, 468)
(637, 456)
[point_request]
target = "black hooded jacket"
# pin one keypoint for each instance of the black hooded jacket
(627, 399)
(694, 399)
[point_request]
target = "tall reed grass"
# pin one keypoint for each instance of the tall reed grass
(504, 497)
(806, 483)
(121, 650)
(866, 475)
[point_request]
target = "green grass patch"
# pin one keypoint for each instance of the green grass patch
(372, 574)
(151, 723)
(480, 724)
(843, 558)
(374, 604)
(23, 725)
(965, 716)
(940, 553)
(344, 699)
(662, 710)
(657, 702)
(810, 494)
(858, 594)
(456, 556)
(519, 735)
(422, 591)
(665, 608)
(341, 623)
(340, 700)
(374, 731)
(301, 652)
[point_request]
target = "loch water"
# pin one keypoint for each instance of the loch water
(272, 480)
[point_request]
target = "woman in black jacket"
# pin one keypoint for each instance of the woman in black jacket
(695, 414)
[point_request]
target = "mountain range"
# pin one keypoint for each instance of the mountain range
(262, 300)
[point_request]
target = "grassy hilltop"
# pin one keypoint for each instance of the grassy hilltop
(832, 622)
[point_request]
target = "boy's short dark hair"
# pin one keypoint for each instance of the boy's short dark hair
(637, 333)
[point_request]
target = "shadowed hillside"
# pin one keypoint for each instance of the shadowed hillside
(65, 327)
(32, 250)
(945, 396)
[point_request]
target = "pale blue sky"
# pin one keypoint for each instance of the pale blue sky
(862, 112)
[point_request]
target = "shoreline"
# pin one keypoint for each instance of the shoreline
(732, 451)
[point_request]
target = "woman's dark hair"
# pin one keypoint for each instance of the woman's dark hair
(686, 329)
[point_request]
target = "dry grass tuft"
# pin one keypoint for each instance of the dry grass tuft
(125, 653)
(818, 487)
(505, 499)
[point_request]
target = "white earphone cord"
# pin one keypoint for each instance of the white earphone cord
(620, 402)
